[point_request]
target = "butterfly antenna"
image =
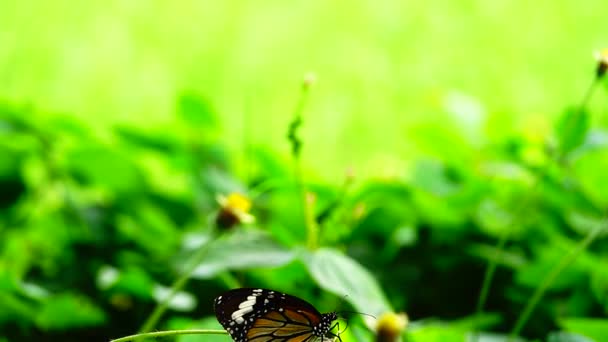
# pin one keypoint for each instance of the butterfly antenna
(359, 313)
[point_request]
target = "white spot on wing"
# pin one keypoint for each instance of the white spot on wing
(238, 314)
(248, 303)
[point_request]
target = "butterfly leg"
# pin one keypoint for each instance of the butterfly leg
(335, 335)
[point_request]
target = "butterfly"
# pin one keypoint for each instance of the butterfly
(261, 315)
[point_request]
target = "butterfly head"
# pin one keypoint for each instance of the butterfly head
(326, 324)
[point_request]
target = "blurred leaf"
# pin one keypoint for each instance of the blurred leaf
(150, 228)
(34, 291)
(106, 167)
(493, 218)
(584, 223)
(165, 176)
(132, 281)
(180, 301)
(265, 165)
(599, 283)
(65, 126)
(504, 257)
(597, 138)
(69, 311)
(493, 337)
(572, 129)
(153, 140)
(433, 177)
(590, 170)
(15, 309)
(441, 212)
(594, 328)
(507, 171)
(195, 111)
(338, 273)
(567, 337)
(242, 250)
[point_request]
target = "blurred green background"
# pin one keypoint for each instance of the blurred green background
(434, 130)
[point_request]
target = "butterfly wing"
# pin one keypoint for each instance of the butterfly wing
(260, 315)
(285, 324)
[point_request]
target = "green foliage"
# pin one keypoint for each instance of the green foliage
(595, 329)
(55, 314)
(341, 275)
(101, 218)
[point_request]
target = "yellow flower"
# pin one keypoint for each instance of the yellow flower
(390, 326)
(234, 210)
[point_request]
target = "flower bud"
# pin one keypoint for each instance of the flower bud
(390, 326)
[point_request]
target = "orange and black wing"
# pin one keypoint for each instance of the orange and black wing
(285, 325)
(262, 315)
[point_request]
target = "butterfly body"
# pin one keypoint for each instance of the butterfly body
(262, 315)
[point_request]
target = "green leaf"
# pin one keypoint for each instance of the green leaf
(14, 308)
(599, 284)
(571, 129)
(594, 328)
(567, 337)
(180, 301)
(150, 228)
(106, 167)
(133, 281)
(68, 311)
(483, 321)
(242, 250)
(432, 176)
(590, 171)
(147, 138)
(338, 273)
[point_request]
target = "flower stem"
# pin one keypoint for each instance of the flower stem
(296, 149)
(548, 280)
(160, 309)
(169, 333)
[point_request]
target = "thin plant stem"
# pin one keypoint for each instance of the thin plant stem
(160, 309)
(493, 263)
(568, 258)
(247, 142)
(588, 93)
(550, 278)
(296, 149)
(169, 333)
